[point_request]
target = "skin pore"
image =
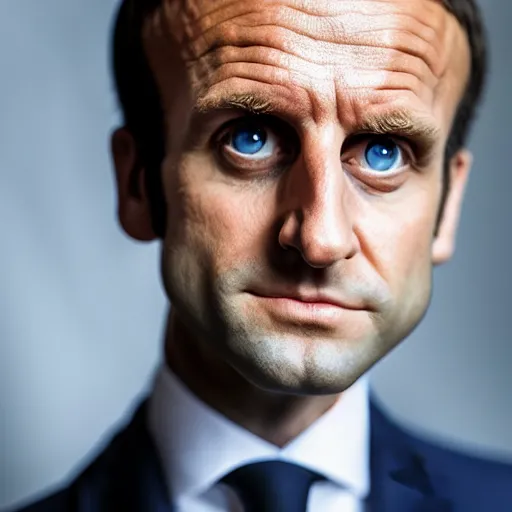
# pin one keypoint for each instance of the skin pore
(325, 86)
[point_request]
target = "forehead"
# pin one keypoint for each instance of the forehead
(311, 59)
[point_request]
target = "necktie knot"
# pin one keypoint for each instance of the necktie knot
(272, 486)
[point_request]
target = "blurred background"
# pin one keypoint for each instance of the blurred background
(81, 306)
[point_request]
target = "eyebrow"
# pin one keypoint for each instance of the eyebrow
(402, 123)
(248, 103)
(399, 122)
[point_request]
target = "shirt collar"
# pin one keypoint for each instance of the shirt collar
(198, 446)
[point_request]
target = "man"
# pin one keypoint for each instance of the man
(303, 163)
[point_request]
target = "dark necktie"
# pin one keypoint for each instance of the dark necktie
(272, 486)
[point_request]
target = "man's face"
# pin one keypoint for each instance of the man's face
(303, 177)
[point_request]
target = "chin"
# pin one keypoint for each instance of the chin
(292, 366)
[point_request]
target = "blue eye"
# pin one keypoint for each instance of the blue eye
(248, 140)
(383, 155)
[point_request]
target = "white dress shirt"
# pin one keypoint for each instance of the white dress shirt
(198, 446)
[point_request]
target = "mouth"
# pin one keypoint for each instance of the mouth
(305, 308)
(310, 300)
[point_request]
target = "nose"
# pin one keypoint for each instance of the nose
(318, 220)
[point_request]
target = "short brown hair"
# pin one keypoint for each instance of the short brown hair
(141, 107)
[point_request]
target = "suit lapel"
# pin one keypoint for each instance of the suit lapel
(138, 484)
(127, 477)
(400, 479)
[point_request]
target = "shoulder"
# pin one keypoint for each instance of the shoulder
(58, 502)
(463, 472)
(387, 432)
(93, 488)
(471, 480)
(71, 495)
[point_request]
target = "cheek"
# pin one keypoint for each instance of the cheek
(399, 246)
(214, 221)
(413, 259)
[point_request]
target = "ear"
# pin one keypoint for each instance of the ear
(133, 211)
(444, 243)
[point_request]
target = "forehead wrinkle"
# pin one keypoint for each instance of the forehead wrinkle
(235, 30)
(289, 38)
(178, 18)
(169, 24)
(458, 65)
(190, 13)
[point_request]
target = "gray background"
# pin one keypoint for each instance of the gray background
(81, 306)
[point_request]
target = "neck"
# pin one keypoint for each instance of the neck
(277, 418)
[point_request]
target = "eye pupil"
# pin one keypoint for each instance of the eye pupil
(248, 140)
(382, 155)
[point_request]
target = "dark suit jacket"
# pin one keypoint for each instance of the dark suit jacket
(407, 475)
